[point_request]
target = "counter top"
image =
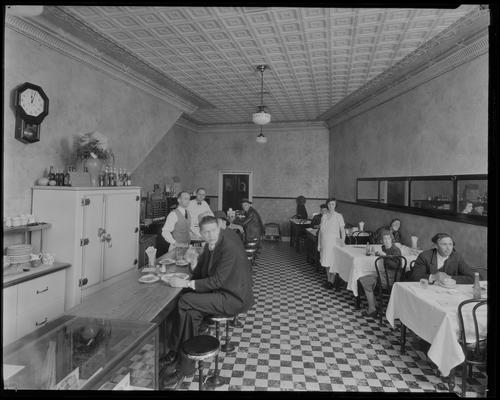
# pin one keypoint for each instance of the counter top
(128, 299)
(11, 280)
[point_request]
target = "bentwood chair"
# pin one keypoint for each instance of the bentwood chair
(361, 237)
(474, 343)
(387, 275)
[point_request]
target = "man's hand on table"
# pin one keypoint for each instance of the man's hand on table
(179, 282)
(438, 277)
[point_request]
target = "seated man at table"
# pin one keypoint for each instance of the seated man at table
(442, 262)
(252, 223)
(316, 220)
(224, 223)
(221, 284)
(369, 281)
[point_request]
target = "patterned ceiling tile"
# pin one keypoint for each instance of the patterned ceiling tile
(317, 56)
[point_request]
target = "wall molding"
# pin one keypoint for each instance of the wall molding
(460, 43)
(57, 39)
(272, 127)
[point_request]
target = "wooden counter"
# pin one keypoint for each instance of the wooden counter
(11, 280)
(131, 300)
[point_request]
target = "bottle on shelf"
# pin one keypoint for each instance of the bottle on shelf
(129, 180)
(51, 175)
(58, 177)
(67, 178)
(114, 177)
(107, 177)
(476, 288)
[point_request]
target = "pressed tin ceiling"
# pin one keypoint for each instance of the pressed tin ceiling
(317, 56)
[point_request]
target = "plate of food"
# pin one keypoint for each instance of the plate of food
(149, 278)
(145, 270)
(182, 262)
(167, 261)
(170, 275)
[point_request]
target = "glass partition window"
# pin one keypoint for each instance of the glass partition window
(394, 192)
(432, 194)
(472, 197)
(461, 198)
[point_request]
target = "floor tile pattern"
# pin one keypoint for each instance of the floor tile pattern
(300, 336)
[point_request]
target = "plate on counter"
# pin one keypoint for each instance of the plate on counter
(145, 270)
(170, 275)
(149, 278)
(182, 262)
(167, 261)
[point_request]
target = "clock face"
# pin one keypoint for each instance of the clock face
(32, 102)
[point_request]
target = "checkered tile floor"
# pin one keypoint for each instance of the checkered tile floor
(300, 336)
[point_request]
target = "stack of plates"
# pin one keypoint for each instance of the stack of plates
(19, 253)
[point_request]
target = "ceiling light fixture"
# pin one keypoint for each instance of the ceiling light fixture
(261, 117)
(261, 138)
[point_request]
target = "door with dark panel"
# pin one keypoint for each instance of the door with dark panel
(234, 189)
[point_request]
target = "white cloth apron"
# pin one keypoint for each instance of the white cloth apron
(329, 235)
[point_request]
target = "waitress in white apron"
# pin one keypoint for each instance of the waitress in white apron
(331, 232)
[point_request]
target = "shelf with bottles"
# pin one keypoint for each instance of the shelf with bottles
(112, 176)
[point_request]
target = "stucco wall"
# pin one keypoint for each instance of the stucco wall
(81, 99)
(293, 162)
(170, 157)
(440, 127)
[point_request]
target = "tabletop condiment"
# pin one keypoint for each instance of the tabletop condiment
(476, 288)
(368, 248)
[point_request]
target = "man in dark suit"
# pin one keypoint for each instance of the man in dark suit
(442, 262)
(252, 223)
(221, 284)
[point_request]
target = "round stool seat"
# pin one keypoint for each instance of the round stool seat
(220, 318)
(251, 244)
(201, 347)
(253, 250)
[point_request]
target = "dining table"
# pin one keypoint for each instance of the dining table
(351, 262)
(431, 312)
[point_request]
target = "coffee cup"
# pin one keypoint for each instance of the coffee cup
(361, 226)
(424, 283)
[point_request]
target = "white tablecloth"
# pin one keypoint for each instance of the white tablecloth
(432, 314)
(351, 262)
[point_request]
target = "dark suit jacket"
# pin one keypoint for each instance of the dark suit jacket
(316, 221)
(252, 224)
(455, 266)
(228, 272)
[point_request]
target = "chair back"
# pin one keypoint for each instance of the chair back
(463, 336)
(397, 269)
(361, 237)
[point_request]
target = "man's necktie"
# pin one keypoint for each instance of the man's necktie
(186, 214)
(199, 203)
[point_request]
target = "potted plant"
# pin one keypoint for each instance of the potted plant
(93, 149)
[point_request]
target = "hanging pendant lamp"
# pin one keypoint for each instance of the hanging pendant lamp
(261, 138)
(261, 117)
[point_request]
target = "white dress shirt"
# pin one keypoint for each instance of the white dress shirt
(168, 228)
(195, 210)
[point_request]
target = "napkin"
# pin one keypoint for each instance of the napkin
(151, 253)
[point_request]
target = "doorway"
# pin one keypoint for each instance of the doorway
(233, 187)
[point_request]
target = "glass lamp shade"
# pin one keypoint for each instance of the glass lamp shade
(261, 118)
(261, 138)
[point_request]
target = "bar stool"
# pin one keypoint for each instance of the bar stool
(199, 348)
(251, 252)
(227, 347)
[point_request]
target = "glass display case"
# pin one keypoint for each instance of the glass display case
(74, 353)
(461, 198)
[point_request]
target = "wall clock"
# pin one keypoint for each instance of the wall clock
(32, 106)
